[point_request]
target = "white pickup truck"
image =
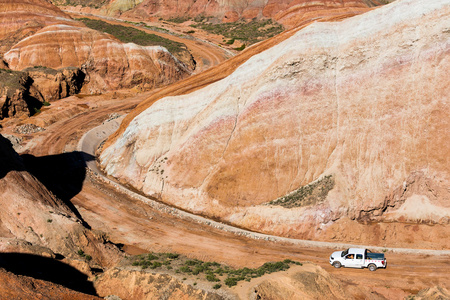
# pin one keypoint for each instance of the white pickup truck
(358, 258)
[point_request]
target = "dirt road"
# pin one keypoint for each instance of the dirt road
(141, 228)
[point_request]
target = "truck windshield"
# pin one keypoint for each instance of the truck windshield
(344, 253)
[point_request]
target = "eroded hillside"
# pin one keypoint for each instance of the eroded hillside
(287, 12)
(355, 102)
(50, 39)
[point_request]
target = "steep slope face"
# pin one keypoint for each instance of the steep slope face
(21, 287)
(353, 112)
(108, 63)
(33, 220)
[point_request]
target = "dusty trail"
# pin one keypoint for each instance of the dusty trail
(141, 228)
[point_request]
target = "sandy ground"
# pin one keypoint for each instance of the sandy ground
(141, 228)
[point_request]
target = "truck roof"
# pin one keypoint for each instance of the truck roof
(356, 250)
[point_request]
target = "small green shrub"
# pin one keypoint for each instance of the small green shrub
(217, 286)
(179, 20)
(212, 277)
(230, 42)
(231, 281)
(242, 47)
(250, 32)
(151, 256)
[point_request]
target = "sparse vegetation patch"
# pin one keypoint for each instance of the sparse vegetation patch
(246, 32)
(212, 272)
(84, 3)
(179, 20)
(310, 194)
(132, 35)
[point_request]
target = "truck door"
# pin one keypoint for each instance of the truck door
(349, 260)
(359, 261)
(354, 260)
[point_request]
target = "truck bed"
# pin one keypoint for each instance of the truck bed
(376, 256)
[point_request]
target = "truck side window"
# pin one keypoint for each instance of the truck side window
(359, 256)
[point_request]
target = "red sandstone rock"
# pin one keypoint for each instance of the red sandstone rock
(108, 63)
(23, 287)
(56, 41)
(22, 18)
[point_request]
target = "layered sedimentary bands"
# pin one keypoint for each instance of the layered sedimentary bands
(108, 63)
(59, 42)
(342, 121)
(287, 12)
(19, 19)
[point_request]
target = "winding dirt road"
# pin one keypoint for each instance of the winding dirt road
(141, 228)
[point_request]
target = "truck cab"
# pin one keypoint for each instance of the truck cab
(358, 258)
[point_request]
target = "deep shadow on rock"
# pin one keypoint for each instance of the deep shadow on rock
(62, 174)
(47, 269)
(9, 159)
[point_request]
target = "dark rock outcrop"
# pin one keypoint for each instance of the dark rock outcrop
(24, 93)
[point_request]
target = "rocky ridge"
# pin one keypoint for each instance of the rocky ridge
(287, 12)
(23, 287)
(36, 223)
(326, 102)
(24, 93)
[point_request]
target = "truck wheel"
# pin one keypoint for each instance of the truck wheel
(337, 264)
(372, 267)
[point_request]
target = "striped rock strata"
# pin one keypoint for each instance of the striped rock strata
(22, 18)
(109, 63)
(287, 12)
(354, 112)
(60, 42)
